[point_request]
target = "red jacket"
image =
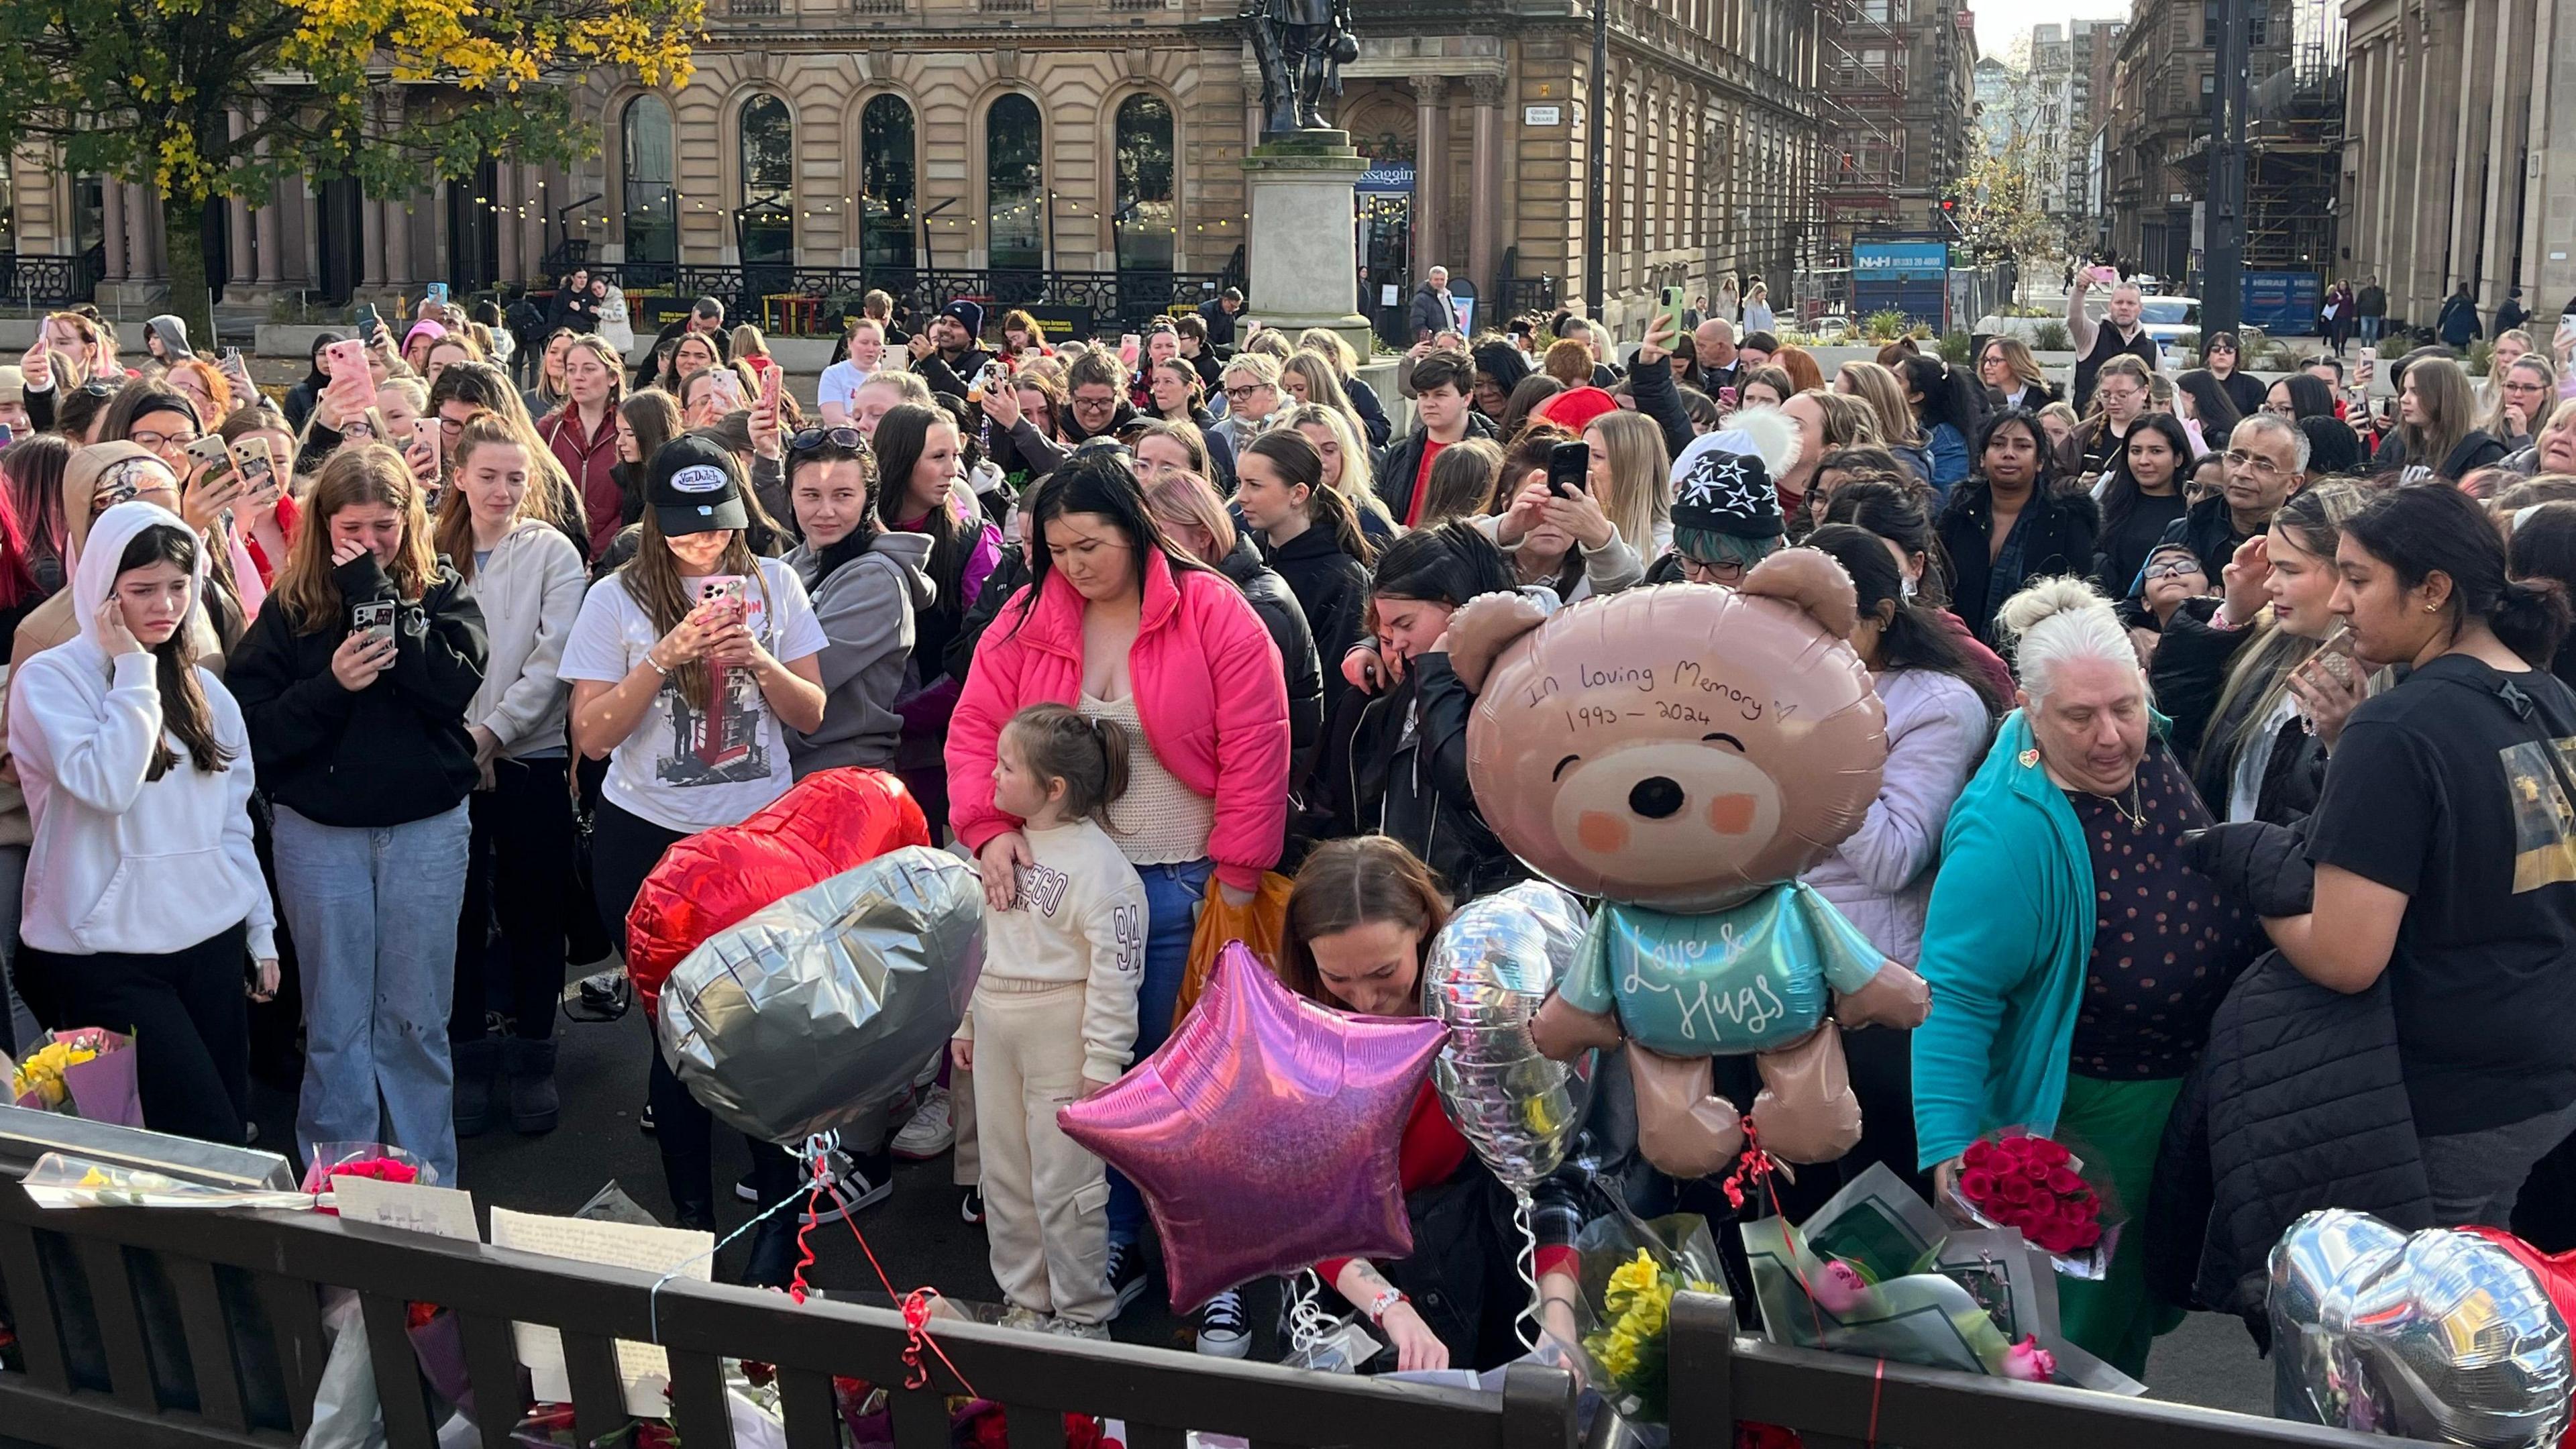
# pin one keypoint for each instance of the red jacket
(592, 462)
(1209, 691)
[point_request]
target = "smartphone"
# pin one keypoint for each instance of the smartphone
(8, 435)
(725, 589)
(2334, 653)
(348, 358)
(1728, 396)
(212, 452)
(258, 469)
(1130, 347)
(374, 618)
(434, 293)
(424, 434)
(231, 363)
(772, 381)
(370, 326)
(1567, 463)
(2105, 276)
(1670, 315)
(727, 387)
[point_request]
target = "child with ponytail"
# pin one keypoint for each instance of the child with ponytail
(1069, 929)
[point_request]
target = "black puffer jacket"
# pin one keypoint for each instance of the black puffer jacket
(2298, 1103)
(1268, 594)
(1414, 787)
(1332, 588)
(2190, 672)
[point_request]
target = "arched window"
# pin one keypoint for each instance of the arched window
(1014, 185)
(885, 183)
(765, 227)
(652, 208)
(1144, 218)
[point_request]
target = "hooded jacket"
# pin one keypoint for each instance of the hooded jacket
(389, 754)
(1332, 589)
(867, 608)
(1280, 613)
(530, 592)
(1208, 693)
(119, 863)
(173, 332)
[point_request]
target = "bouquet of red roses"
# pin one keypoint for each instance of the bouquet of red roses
(2035, 1186)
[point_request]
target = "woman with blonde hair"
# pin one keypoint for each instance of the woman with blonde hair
(2008, 370)
(2123, 392)
(2436, 425)
(1376, 427)
(1347, 469)
(354, 682)
(1631, 475)
(582, 434)
(1309, 378)
(1879, 387)
(2526, 394)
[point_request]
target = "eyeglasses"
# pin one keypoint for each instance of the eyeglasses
(155, 442)
(1703, 571)
(809, 439)
(1238, 394)
(2172, 568)
(2256, 462)
(1094, 404)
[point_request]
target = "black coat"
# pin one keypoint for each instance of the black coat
(955, 378)
(1332, 588)
(1220, 322)
(1010, 571)
(392, 753)
(1270, 598)
(1376, 779)
(2480, 449)
(2210, 530)
(2063, 528)
(1397, 465)
(2190, 672)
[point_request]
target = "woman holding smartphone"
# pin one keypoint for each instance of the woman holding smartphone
(583, 433)
(529, 580)
(688, 667)
(131, 753)
(355, 682)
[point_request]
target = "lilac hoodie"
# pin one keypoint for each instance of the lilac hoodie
(1937, 730)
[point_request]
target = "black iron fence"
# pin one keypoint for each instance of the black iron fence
(171, 1329)
(51, 281)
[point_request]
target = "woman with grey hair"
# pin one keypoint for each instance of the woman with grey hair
(2074, 958)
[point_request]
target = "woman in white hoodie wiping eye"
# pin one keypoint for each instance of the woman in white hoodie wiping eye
(138, 778)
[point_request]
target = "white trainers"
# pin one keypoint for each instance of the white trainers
(932, 1130)
(1067, 1328)
(1027, 1320)
(1224, 1330)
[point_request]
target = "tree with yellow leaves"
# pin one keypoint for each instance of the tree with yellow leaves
(146, 91)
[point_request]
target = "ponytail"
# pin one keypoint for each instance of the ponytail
(2530, 617)
(1301, 466)
(2425, 529)
(1089, 755)
(1329, 508)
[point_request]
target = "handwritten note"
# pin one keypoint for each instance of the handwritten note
(440, 1211)
(642, 1367)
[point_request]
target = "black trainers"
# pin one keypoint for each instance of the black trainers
(863, 1182)
(970, 1206)
(644, 1120)
(1126, 1271)
(1225, 1330)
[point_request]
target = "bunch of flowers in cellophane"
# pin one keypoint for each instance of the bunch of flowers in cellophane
(2017, 1179)
(65, 1180)
(378, 1160)
(1876, 1271)
(1631, 1270)
(88, 1073)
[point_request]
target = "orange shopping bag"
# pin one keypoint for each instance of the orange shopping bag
(1258, 924)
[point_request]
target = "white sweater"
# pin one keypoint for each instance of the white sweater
(531, 592)
(1079, 915)
(121, 864)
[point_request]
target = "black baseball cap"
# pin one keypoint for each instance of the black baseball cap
(694, 487)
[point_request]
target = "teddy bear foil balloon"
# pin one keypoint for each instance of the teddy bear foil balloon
(1684, 753)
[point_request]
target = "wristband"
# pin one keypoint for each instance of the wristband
(1387, 1298)
(656, 664)
(2224, 622)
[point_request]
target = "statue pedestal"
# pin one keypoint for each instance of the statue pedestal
(1304, 253)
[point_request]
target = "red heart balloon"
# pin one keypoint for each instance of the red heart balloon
(831, 821)
(2557, 1275)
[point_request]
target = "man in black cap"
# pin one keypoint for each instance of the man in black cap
(1726, 512)
(947, 353)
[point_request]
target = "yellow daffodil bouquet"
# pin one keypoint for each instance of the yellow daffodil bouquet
(87, 1073)
(1631, 1270)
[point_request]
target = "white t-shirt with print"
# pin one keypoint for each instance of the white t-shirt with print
(841, 382)
(683, 769)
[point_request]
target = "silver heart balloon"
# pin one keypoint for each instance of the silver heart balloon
(2436, 1335)
(1489, 970)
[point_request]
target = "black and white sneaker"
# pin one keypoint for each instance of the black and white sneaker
(644, 1120)
(1126, 1272)
(863, 1183)
(970, 1206)
(1225, 1331)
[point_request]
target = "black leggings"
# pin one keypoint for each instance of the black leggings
(520, 873)
(189, 1020)
(623, 851)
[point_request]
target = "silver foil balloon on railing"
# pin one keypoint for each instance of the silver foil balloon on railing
(1490, 969)
(813, 1014)
(2441, 1335)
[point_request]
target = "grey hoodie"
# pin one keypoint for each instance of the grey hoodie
(173, 332)
(866, 609)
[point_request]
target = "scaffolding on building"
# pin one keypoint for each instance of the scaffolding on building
(2294, 148)
(1866, 51)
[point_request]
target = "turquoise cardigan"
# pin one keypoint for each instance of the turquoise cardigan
(2005, 943)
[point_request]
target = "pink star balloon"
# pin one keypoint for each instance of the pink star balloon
(1264, 1132)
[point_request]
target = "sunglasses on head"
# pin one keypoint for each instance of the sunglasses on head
(807, 440)
(96, 388)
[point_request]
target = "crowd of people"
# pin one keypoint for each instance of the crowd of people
(339, 730)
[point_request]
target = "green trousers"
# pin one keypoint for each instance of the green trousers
(2116, 1128)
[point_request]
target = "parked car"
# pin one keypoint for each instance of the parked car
(2168, 318)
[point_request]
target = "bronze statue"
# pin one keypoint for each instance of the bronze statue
(1301, 46)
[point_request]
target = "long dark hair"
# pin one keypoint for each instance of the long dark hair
(829, 558)
(34, 468)
(2211, 406)
(901, 436)
(2120, 490)
(2544, 547)
(2309, 396)
(2427, 529)
(184, 712)
(1950, 395)
(655, 417)
(1446, 565)
(1287, 450)
(1094, 480)
(1896, 514)
(1910, 637)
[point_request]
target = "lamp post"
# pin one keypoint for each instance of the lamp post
(1596, 203)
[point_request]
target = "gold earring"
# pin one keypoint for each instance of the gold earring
(2431, 608)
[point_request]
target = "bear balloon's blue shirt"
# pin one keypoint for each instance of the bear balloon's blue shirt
(1746, 980)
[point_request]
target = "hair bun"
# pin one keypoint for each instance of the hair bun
(2046, 599)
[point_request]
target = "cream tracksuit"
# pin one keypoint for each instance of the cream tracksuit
(1056, 1003)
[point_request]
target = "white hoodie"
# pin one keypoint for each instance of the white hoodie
(118, 864)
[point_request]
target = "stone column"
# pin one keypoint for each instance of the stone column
(506, 183)
(112, 221)
(1430, 174)
(143, 229)
(237, 259)
(397, 244)
(1485, 186)
(371, 244)
(1303, 246)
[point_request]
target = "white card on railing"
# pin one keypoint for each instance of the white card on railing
(444, 1212)
(643, 1368)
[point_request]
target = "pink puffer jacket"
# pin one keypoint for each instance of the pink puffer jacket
(1209, 692)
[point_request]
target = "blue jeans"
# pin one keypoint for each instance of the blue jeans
(374, 913)
(2370, 330)
(1173, 895)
